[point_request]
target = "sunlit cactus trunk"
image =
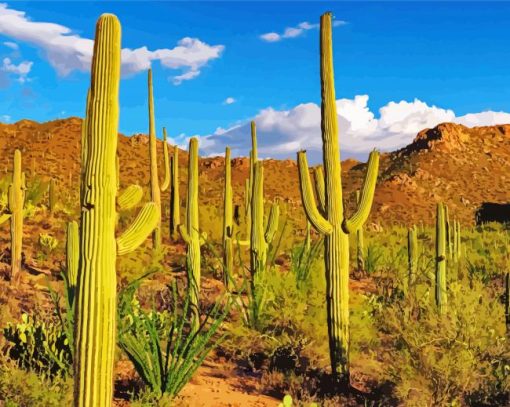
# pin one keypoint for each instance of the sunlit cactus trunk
(360, 243)
(72, 254)
(154, 180)
(250, 180)
(449, 242)
(440, 280)
(16, 202)
(175, 202)
(96, 299)
(190, 232)
(334, 225)
(228, 259)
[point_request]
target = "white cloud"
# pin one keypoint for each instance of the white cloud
(228, 101)
(68, 52)
(293, 32)
(281, 133)
(5, 118)
(11, 45)
(21, 70)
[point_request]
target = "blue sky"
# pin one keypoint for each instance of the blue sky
(399, 67)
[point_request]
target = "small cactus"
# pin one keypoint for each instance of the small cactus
(228, 260)
(175, 202)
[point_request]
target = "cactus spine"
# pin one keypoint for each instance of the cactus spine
(441, 299)
(16, 202)
(360, 249)
(228, 260)
(95, 305)
(190, 232)
(412, 254)
(175, 203)
(156, 188)
(334, 225)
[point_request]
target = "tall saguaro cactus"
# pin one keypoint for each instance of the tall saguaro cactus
(249, 182)
(330, 220)
(16, 202)
(190, 232)
(360, 243)
(175, 202)
(412, 254)
(96, 302)
(156, 188)
(440, 280)
(228, 259)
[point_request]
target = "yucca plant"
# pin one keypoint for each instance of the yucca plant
(165, 348)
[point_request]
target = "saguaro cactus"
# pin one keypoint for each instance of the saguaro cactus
(52, 198)
(228, 259)
(440, 283)
(412, 254)
(175, 202)
(156, 188)
(72, 254)
(95, 305)
(190, 233)
(360, 244)
(333, 224)
(16, 202)
(448, 232)
(249, 182)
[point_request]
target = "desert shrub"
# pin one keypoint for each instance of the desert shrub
(442, 359)
(19, 388)
(47, 243)
(36, 190)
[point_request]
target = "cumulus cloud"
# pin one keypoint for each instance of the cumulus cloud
(5, 118)
(292, 32)
(21, 70)
(68, 52)
(281, 133)
(229, 101)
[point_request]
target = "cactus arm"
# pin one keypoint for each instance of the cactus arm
(184, 233)
(255, 156)
(312, 213)
(272, 223)
(4, 217)
(367, 196)
(175, 204)
(440, 280)
(142, 226)
(320, 189)
(72, 253)
(166, 181)
(130, 197)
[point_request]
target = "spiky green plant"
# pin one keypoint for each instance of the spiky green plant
(330, 220)
(16, 203)
(440, 280)
(190, 232)
(95, 306)
(156, 188)
(175, 202)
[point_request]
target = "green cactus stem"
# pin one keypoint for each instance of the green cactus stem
(448, 232)
(52, 197)
(228, 259)
(412, 254)
(96, 298)
(440, 280)
(175, 203)
(72, 253)
(15, 205)
(156, 188)
(360, 244)
(332, 221)
(190, 232)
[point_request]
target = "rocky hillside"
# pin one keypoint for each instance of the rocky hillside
(452, 163)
